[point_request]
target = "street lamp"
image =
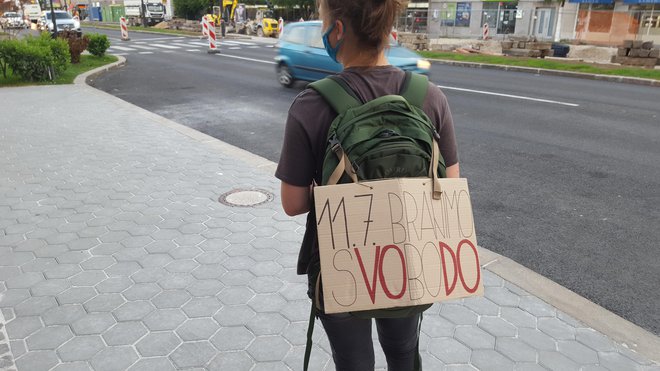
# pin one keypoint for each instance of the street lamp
(52, 18)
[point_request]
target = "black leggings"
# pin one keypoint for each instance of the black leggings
(353, 350)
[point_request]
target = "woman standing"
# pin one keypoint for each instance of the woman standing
(356, 34)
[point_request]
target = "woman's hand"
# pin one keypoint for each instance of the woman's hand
(453, 171)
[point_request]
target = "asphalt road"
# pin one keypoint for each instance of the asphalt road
(564, 173)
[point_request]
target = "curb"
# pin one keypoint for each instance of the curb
(593, 315)
(543, 71)
(82, 78)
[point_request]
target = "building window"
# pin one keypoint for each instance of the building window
(600, 19)
(645, 19)
(454, 14)
(500, 16)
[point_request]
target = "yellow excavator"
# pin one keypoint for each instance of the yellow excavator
(222, 14)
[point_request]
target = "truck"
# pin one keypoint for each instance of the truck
(153, 12)
(32, 12)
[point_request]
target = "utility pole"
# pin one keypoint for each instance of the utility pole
(53, 18)
(143, 13)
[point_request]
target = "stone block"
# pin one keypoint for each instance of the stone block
(628, 44)
(647, 45)
(637, 44)
(654, 53)
(189, 355)
(622, 52)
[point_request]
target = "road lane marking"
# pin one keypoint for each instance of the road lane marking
(143, 47)
(166, 46)
(509, 96)
(199, 43)
(122, 48)
(192, 50)
(236, 42)
(234, 48)
(145, 52)
(161, 39)
(244, 58)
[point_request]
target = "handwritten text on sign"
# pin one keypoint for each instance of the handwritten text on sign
(388, 243)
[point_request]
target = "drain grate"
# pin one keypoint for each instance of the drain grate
(245, 197)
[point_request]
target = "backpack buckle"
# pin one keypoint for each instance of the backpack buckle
(334, 143)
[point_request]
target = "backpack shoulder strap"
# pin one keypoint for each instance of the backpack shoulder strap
(414, 89)
(337, 93)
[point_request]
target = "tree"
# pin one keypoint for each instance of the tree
(307, 7)
(190, 9)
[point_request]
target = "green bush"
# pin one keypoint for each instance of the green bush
(58, 47)
(7, 52)
(98, 44)
(32, 62)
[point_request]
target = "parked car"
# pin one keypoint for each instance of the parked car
(302, 55)
(63, 19)
(13, 20)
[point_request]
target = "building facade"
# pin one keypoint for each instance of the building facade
(604, 22)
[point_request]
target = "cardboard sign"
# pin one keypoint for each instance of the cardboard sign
(388, 243)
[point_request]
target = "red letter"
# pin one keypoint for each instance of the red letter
(443, 246)
(403, 267)
(460, 271)
(370, 289)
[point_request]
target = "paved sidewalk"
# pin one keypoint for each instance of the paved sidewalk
(115, 254)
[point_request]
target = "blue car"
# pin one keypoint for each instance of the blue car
(302, 55)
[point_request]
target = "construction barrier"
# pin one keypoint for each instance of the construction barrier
(280, 26)
(213, 47)
(394, 33)
(124, 29)
(485, 32)
(205, 27)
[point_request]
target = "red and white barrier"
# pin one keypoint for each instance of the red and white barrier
(213, 47)
(280, 26)
(395, 33)
(124, 29)
(205, 27)
(485, 32)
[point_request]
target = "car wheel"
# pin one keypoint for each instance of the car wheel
(260, 32)
(284, 76)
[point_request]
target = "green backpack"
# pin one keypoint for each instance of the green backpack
(388, 137)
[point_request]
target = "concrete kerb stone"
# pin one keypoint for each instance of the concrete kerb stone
(543, 71)
(565, 300)
(6, 356)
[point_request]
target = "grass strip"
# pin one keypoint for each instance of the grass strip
(572, 66)
(87, 63)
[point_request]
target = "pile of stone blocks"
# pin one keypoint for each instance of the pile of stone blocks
(186, 25)
(526, 47)
(414, 41)
(637, 53)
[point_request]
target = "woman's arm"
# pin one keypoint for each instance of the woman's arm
(453, 171)
(296, 200)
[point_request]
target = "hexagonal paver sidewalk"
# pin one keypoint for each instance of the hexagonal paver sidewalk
(116, 255)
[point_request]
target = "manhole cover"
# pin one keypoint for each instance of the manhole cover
(245, 197)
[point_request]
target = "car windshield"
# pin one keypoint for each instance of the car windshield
(155, 7)
(59, 15)
(11, 15)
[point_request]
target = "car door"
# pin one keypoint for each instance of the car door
(292, 50)
(318, 63)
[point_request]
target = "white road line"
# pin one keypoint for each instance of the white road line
(199, 43)
(124, 49)
(145, 52)
(254, 47)
(234, 48)
(509, 96)
(163, 39)
(235, 42)
(117, 53)
(270, 46)
(143, 47)
(166, 46)
(246, 59)
(192, 50)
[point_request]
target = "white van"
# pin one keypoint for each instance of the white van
(33, 12)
